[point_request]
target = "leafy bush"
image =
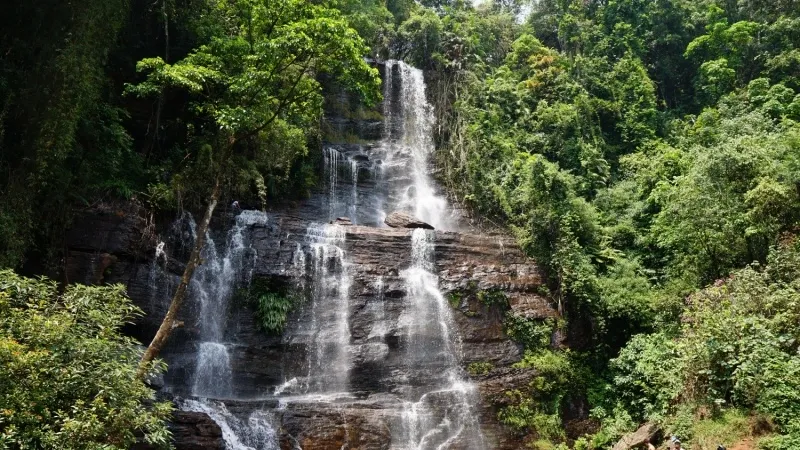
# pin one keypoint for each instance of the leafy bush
(738, 348)
(648, 375)
(537, 408)
(68, 373)
(533, 334)
(493, 297)
(725, 429)
(480, 368)
(272, 304)
(272, 310)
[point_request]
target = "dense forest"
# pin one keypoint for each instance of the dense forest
(645, 153)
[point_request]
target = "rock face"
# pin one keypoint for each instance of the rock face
(466, 264)
(113, 245)
(399, 219)
(196, 431)
(191, 431)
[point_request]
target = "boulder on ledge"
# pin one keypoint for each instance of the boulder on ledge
(399, 219)
(638, 437)
(342, 221)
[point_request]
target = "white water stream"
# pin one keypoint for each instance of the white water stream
(432, 406)
(224, 269)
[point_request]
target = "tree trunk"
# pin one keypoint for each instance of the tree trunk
(169, 323)
(160, 106)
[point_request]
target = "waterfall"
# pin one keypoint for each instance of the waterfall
(255, 433)
(439, 411)
(331, 157)
(400, 163)
(212, 288)
(406, 158)
(434, 405)
(329, 365)
(394, 322)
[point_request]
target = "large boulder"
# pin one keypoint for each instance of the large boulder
(638, 437)
(191, 431)
(195, 431)
(399, 219)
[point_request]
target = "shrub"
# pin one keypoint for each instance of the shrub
(480, 368)
(272, 304)
(67, 374)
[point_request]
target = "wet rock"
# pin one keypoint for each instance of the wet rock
(325, 427)
(191, 431)
(400, 219)
(88, 267)
(531, 306)
(378, 337)
(110, 228)
(342, 221)
(195, 431)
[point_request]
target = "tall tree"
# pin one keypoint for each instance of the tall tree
(253, 84)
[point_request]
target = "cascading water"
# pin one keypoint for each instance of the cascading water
(406, 157)
(435, 408)
(399, 164)
(438, 410)
(212, 287)
(328, 364)
(254, 433)
(420, 389)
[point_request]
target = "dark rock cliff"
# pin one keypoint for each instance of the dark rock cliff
(116, 244)
(105, 246)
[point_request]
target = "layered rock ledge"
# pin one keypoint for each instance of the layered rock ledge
(111, 246)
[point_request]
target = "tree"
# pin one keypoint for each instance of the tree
(252, 83)
(69, 374)
(51, 75)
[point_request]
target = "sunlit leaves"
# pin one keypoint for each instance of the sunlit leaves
(73, 369)
(257, 80)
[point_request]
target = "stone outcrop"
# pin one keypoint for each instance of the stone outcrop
(196, 431)
(466, 263)
(191, 431)
(639, 437)
(399, 219)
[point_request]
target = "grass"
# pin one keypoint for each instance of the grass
(727, 429)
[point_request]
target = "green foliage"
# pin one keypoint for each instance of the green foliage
(639, 151)
(533, 334)
(787, 441)
(272, 310)
(255, 84)
(373, 22)
(536, 409)
(648, 376)
(225, 88)
(271, 304)
(74, 372)
(614, 424)
(524, 414)
(493, 297)
(726, 429)
(455, 298)
(51, 80)
(737, 348)
(420, 35)
(480, 368)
